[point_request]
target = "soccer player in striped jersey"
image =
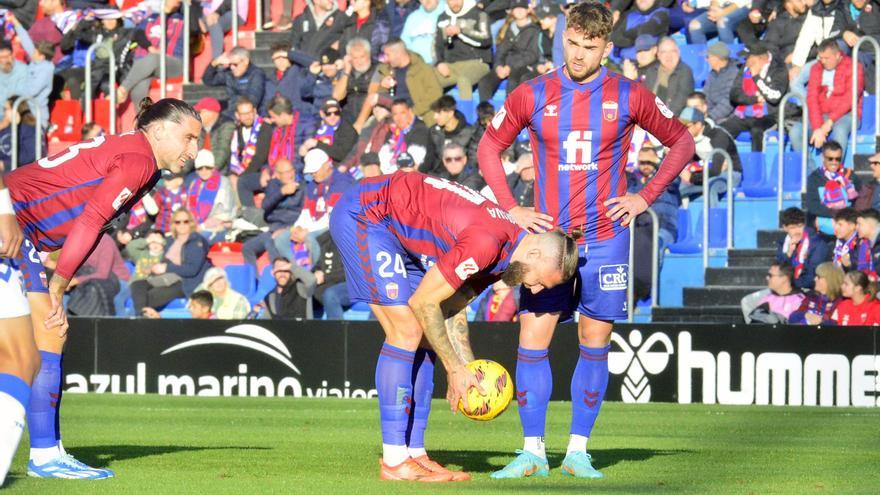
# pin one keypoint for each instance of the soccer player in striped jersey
(417, 249)
(580, 118)
(66, 201)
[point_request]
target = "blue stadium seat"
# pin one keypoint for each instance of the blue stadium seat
(791, 171)
(179, 303)
(868, 124)
(469, 109)
(175, 313)
(242, 279)
(359, 311)
(687, 242)
(717, 227)
(695, 57)
(264, 285)
(757, 182)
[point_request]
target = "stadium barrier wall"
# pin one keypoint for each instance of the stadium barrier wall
(711, 364)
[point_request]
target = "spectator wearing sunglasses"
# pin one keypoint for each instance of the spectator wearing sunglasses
(457, 167)
(334, 136)
(830, 188)
(869, 193)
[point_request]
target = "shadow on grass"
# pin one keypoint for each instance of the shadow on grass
(478, 460)
(103, 455)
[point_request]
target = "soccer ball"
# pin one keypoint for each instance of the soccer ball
(497, 384)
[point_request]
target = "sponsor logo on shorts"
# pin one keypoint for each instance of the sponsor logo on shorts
(613, 277)
(122, 198)
(391, 290)
(467, 268)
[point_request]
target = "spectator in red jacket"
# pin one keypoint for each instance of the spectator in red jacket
(829, 97)
(858, 306)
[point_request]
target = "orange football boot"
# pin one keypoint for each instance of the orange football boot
(410, 470)
(436, 467)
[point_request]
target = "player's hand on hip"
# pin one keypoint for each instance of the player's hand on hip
(626, 208)
(57, 316)
(531, 220)
(459, 380)
(10, 237)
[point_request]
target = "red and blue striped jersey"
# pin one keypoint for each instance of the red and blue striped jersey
(438, 221)
(580, 135)
(68, 198)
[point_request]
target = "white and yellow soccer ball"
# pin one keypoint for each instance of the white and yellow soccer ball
(497, 384)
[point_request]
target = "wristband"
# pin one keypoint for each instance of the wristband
(5, 203)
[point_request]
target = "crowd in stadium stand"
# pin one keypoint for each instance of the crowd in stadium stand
(373, 86)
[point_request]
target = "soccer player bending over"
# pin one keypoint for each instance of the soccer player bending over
(66, 201)
(580, 119)
(417, 249)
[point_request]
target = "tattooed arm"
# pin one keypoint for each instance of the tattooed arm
(455, 310)
(427, 305)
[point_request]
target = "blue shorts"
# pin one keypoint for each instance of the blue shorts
(377, 268)
(32, 271)
(598, 290)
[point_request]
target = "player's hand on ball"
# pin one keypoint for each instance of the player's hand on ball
(459, 380)
(626, 207)
(531, 220)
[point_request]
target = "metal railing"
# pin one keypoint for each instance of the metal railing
(729, 162)
(259, 14)
(186, 40)
(38, 129)
(855, 97)
(655, 265)
(112, 90)
(780, 128)
(163, 48)
(234, 22)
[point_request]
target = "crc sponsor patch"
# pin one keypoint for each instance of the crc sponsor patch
(613, 277)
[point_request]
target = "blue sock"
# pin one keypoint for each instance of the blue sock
(43, 407)
(394, 386)
(588, 388)
(534, 383)
(423, 389)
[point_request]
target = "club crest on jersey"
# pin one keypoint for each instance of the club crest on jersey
(550, 111)
(609, 110)
(664, 110)
(391, 290)
(498, 119)
(466, 268)
(122, 198)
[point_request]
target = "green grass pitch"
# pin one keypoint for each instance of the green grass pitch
(161, 445)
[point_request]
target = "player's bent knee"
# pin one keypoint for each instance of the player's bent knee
(594, 333)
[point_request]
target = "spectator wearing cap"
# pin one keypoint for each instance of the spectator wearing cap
(240, 77)
(229, 304)
(409, 134)
(289, 299)
(829, 98)
(146, 65)
(217, 19)
(354, 79)
(706, 140)
(401, 71)
(324, 186)
(643, 17)
(13, 74)
(280, 135)
(450, 127)
(334, 136)
(210, 198)
(783, 31)
(722, 76)
(319, 27)
(869, 193)
(517, 52)
(646, 58)
(671, 80)
(372, 137)
(549, 15)
(281, 207)
(323, 79)
(462, 46)
(369, 21)
(420, 27)
(217, 131)
(802, 247)
(756, 95)
(722, 18)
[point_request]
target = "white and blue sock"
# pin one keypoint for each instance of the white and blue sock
(15, 393)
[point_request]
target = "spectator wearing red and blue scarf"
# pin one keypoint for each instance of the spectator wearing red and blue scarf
(210, 198)
(169, 198)
(868, 252)
(829, 188)
(802, 248)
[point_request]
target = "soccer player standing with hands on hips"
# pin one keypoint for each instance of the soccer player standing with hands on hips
(417, 249)
(66, 201)
(580, 119)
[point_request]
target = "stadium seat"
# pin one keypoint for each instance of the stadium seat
(695, 57)
(756, 183)
(179, 303)
(717, 227)
(468, 108)
(242, 279)
(791, 171)
(359, 312)
(264, 285)
(687, 242)
(868, 123)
